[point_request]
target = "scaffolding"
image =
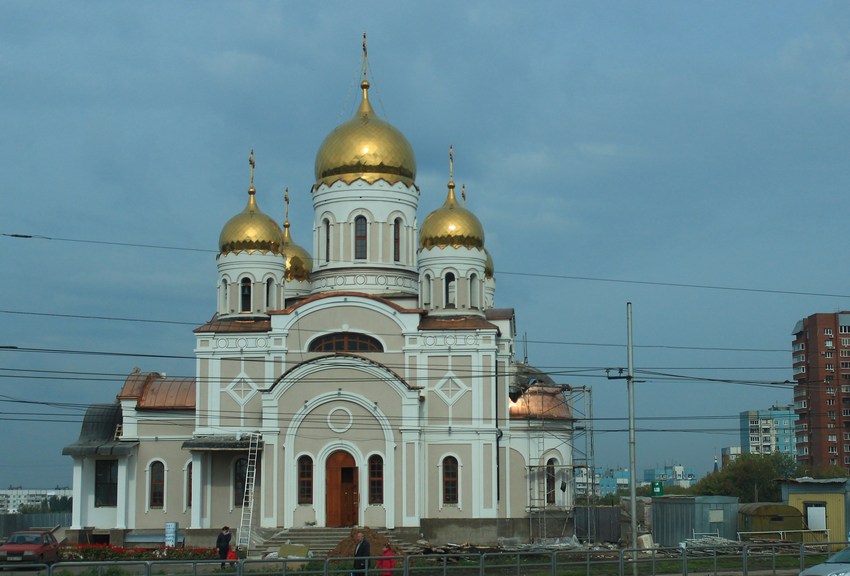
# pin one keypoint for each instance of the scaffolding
(546, 477)
(581, 399)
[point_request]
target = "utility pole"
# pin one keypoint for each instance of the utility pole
(630, 386)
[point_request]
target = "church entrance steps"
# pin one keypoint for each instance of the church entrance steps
(320, 541)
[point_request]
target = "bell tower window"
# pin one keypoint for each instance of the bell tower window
(269, 293)
(225, 298)
(397, 240)
(451, 290)
(360, 238)
(326, 225)
(474, 292)
(245, 295)
(426, 290)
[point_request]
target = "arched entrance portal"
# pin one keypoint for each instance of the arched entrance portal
(341, 495)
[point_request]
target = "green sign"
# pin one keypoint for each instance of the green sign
(658, 489)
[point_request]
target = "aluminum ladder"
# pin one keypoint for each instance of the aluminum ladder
(243, 537)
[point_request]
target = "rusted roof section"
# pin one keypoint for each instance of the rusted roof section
(456, 323)
(135, 383)
(168, 394)
(324, 295)
(236, 325)
(154, 391)
(500, 314)
(540, 402)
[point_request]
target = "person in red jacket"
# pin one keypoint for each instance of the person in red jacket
(387, 563)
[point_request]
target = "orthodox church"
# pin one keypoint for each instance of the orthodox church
(372, 382)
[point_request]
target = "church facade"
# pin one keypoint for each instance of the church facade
(375, 376)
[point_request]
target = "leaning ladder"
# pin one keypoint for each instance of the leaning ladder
(243, 537)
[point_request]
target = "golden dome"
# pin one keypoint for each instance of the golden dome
(451, 225)
(367, 148)
(489, 268)
(251, 230)
(299, 264)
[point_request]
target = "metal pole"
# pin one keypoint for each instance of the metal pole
(630, 381)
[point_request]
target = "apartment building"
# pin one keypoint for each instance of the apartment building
(821, 364)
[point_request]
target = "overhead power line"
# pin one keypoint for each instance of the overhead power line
(469, 373)
(548, 342)
(501, 272)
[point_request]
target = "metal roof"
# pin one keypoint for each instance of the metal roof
(97, 434)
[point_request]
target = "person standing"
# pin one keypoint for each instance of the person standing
(222, 543)
(387, 562)
(361, 554)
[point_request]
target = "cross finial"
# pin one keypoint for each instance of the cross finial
(251, 162)
(364, 55)
(451, 162)
(286, 201)
(463, 193)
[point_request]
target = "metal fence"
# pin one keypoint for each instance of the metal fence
(13, 522)
(782, 559)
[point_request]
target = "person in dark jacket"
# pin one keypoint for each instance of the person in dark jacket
(361, 554)
(222, 543)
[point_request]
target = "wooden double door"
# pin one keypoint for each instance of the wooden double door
(342, 497)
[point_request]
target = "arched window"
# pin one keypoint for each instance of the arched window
(426, 290)
(326, 225)
(360, 238)
(550, 481)
(157, 487)
(474, 292)
(305, 480)
(451, 291)
(245, 295)
(345, 342)
(376, 480)
(450, 480)
(240, 476)
(225, 298)
(269, 293)
(397, 240)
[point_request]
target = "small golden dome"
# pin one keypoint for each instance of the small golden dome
(489, 268)
(367, 148)
(299, 264)
(451, 225)
(251, 230)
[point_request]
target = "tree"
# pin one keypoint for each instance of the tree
(50, 504)
(751, 477)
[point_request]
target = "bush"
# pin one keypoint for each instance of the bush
(101, 552)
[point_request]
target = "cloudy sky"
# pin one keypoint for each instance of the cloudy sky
(688, 157)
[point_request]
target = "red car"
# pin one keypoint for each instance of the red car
(30, 547)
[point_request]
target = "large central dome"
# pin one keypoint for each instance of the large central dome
(366, 148)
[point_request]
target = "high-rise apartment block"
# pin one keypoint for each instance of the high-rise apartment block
(821, 360)
(769, 431)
